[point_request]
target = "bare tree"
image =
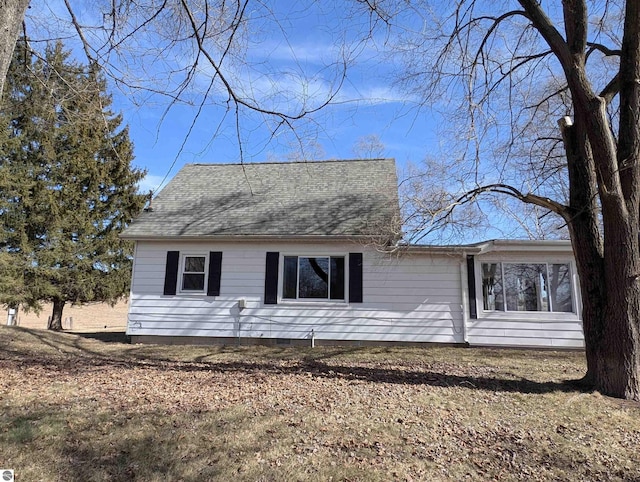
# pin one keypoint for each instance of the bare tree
(369, 147)
(516, 69)
(11, 18)
(202, 53)
(427, 194)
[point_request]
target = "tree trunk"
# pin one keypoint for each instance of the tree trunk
(11, 17)
(55, 323)
(584, 229)
(619, 352)
(618, 347)
(609, 284)
(610, 316)
(591, 271)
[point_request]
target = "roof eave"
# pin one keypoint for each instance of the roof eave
(520, 245)
(460, 250)
(494, 245)
(248, 237)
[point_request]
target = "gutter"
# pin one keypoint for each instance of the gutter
(465, 296)
(518, 245)
(244, 237)
(461, 250)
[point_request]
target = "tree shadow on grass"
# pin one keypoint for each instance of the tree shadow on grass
(105, 336)
(438, 379)
(73, 357)
(116, 446)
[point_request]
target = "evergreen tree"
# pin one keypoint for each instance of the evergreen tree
(67, 187)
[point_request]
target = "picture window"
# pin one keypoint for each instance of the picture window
(527, 287)
(314, 277)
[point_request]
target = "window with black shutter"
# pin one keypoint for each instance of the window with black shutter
(193, 273)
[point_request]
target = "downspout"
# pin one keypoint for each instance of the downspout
(130, 326)
(465, 297)
(241, 305)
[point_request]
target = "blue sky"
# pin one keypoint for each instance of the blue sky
(288, 56)
(158, 142)
(289, 50)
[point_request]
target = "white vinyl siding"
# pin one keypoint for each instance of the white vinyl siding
(407, 297)
(410, 298)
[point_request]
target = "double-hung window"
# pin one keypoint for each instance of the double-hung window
(314, 277)
(193, 273)
(527, 287)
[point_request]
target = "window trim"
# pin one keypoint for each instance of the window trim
(575, 299)
(181, 273)
(308, 301)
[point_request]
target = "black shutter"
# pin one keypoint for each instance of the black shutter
(471, 284)
(271, 278)
(355, 277)
(215, 273)
(171, 272)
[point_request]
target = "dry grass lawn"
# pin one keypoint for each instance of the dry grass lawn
(78, 409)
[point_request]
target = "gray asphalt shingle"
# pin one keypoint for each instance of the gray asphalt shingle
(327, 198)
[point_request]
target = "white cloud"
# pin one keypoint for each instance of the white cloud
(376, 94)
(317, 53)
(150, 182)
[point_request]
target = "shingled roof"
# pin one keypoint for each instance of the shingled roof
(327, 198)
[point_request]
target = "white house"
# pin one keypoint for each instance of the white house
(302, 252)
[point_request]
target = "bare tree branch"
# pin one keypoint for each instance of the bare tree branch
(604, 49)
(76, 25)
